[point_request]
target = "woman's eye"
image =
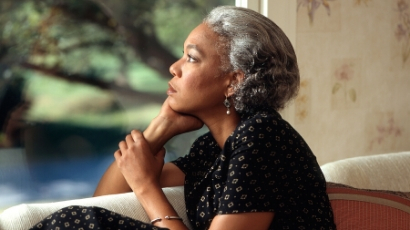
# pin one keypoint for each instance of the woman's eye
(191, 59)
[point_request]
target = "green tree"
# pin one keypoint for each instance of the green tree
(61, 38)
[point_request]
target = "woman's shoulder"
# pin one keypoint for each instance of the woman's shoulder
(261, 119)
(264, 127)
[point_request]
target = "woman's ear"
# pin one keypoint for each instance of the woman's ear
(236, 79)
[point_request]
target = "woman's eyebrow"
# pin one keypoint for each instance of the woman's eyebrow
(195, 47)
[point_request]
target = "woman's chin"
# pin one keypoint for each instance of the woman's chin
(183, 110)
(176, 106)
(183, 107)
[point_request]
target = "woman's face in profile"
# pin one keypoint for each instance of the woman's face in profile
(199, 85)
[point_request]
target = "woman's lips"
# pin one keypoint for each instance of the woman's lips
(170, 90)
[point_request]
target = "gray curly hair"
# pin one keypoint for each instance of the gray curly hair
(255, 45)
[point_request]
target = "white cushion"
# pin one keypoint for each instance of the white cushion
(385, 172)
(24, 216)
(389, 171)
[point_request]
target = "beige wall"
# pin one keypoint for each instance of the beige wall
(355, 80)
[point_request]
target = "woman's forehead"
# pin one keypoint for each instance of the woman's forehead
(201, 36)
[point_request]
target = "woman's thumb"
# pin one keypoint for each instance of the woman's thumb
(161, 153)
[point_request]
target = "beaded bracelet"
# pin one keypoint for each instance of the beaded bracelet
(166, 217)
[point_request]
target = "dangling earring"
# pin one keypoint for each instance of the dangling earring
(227, 105)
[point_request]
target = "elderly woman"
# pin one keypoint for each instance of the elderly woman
(252, 170)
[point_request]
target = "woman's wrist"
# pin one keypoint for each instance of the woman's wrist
(157, 133)
(157, 207)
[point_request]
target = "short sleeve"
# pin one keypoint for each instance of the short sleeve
(202, 155)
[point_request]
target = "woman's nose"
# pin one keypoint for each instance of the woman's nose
(175, 70)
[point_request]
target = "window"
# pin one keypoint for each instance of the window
(75, 77)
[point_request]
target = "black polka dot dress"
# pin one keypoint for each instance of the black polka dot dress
(90, 218)
(265, 166)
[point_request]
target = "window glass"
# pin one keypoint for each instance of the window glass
(75, 77)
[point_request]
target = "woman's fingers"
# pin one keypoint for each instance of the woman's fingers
(129, 140)
(136, 135)
(117, 154)
(123, 146)
(134, 138)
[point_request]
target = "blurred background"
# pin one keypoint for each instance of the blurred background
(75, 77)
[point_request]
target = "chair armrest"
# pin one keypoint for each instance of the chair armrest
(388, 171)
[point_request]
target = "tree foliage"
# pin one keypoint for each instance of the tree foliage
(63, 38)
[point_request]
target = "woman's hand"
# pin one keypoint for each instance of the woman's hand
(168, 124)
(179, 123)
(137, 157)
(140, 167)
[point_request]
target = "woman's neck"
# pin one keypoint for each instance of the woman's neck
(222, 126)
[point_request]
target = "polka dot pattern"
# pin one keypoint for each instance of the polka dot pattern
(90, 218)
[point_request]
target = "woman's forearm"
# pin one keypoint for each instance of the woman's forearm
(156, 205)
(112, 182)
